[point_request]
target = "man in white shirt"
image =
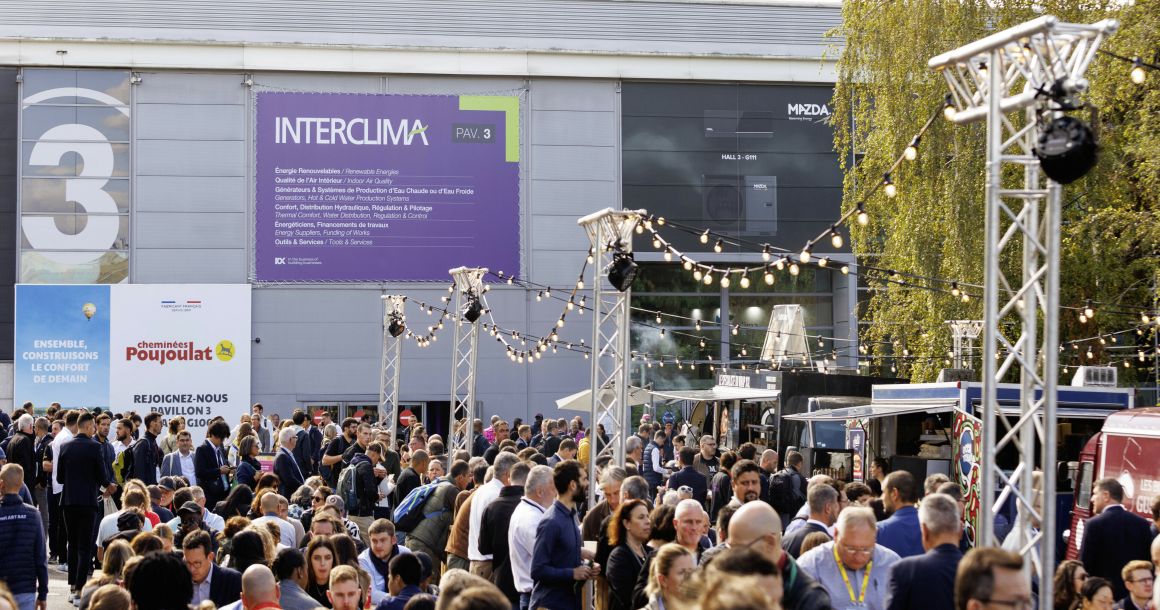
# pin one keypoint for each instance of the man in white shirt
(67, 433)
(480, 563)
(132, 498)
(213, 520)
(270, 504)
(124, 436)
(539, 493)
(180, 462)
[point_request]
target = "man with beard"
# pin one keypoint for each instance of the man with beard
(746, 475)
(332, 457)
(557, 558)
(124, 436)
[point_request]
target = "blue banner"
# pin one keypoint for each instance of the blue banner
(62, 346)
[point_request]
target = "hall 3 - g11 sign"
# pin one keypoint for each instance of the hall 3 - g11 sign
(174, 349)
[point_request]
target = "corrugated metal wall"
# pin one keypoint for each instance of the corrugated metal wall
(599, 25)
(192, 224)
(9, 110)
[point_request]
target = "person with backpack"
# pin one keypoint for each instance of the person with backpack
(358, 486)
(437, 512)
(146, 452)
(787, 488)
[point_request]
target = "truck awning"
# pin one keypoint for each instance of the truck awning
(1075, 413)
(877, 409)
(717, 393)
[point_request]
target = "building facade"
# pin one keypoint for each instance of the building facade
(712, 114)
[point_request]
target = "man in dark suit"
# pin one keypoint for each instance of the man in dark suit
(83, 476)
(928, 581)
(285, 466)
(146, 453)
(211, 582)
(1114, 536)
(304, 445)
(210, 464)
(689, 476)
(824, 508)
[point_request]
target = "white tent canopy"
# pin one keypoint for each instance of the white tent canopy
(582, 401)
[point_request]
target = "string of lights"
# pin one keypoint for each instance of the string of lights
(1138, 74)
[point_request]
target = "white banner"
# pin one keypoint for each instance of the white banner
(181, 349)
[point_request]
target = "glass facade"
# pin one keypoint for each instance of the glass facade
(752, 163)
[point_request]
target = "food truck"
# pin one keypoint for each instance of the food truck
(1123, 449)
(928, 428)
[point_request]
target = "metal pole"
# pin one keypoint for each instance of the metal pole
(393, 306)
(468, 288)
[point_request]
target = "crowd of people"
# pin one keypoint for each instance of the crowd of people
(348, 515)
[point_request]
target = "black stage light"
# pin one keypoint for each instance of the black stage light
(622, 271)
(473, 310)
(396, 327)
(1066, 149)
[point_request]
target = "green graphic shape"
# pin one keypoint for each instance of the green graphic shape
(510, 106)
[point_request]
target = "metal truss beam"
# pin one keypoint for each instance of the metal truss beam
(609, 232)
(468, 287)
(393, 311)
(1021, 68)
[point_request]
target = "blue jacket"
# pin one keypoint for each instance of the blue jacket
(21, 534)
(924, 581)
(555, 555)
(901, 533)
(689, 476)
(398, 602)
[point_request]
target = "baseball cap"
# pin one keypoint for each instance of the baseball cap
(189, 508)
(336, 501)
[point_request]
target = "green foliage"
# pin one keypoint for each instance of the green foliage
(934, 227)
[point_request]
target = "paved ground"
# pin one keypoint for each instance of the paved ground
(58, 589)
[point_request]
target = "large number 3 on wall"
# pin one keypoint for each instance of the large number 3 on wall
(86, 190)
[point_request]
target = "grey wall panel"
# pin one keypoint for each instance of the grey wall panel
(573, 163)
(571, 127)
(9, 111)
(337, 83)
(453, 85)
(559, 267)
(571, 197)
(574, 94)
(204, 230)
(190, 88)
(582, 25)
(558, 233)
(191, 194)
(188, 158)
(323, 339)
(291, 304)
(190, 121)
(192, 266)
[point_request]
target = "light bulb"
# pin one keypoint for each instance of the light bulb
(983, 69)
(769, 278)
(845, 270)
(1082, 319)
(1127, 364)
(955, 289)
(780, 264)
(658, 318)
(793, 269)
(580, 284)
(718, 246)
(668, 256)
(705, 237)
(660, 221)
(656, 243)
(765, 255)
(639, 228)
(966, 297)
(836, 238)
(697, 275)
(1144, 318)
(949, 111)
(1088, 310)
(805, 255)
(688, 265)
(863, 218)
(745, 281)
(888, 186)
(734, 331)
(708, 279)
(724, 281)
(822, 262)
(1138, 75)
(911, 152)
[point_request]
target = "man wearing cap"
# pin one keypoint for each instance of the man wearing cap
(157, 502)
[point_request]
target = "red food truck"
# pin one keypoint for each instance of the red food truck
(1127, 448)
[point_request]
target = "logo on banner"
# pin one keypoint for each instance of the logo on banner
(180, 306)
(806, 112)
(224, 350)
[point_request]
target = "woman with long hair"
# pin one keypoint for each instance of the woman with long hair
(671, 566)
(1069, 577)
(248, 465)
(662, 531)
(1096, 594)
(320, 558)
(628, 533)
(248, 548)
(236, 504)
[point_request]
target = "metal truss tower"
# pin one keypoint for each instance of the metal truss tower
(964, 333)
(393, 313)
(1020, 69)
(609, 233)
(468, 290)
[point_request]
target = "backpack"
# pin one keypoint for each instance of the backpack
(123, 465)
(409, 513)
(347, 488)
(784, 493)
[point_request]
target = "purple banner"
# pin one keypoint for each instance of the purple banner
(385, 187)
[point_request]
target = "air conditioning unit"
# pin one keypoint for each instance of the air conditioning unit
(1095, 377)
(955, 375)
(746, 204)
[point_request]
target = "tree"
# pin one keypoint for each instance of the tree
(934, 226)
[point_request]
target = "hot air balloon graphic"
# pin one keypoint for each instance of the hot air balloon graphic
(89, 310)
